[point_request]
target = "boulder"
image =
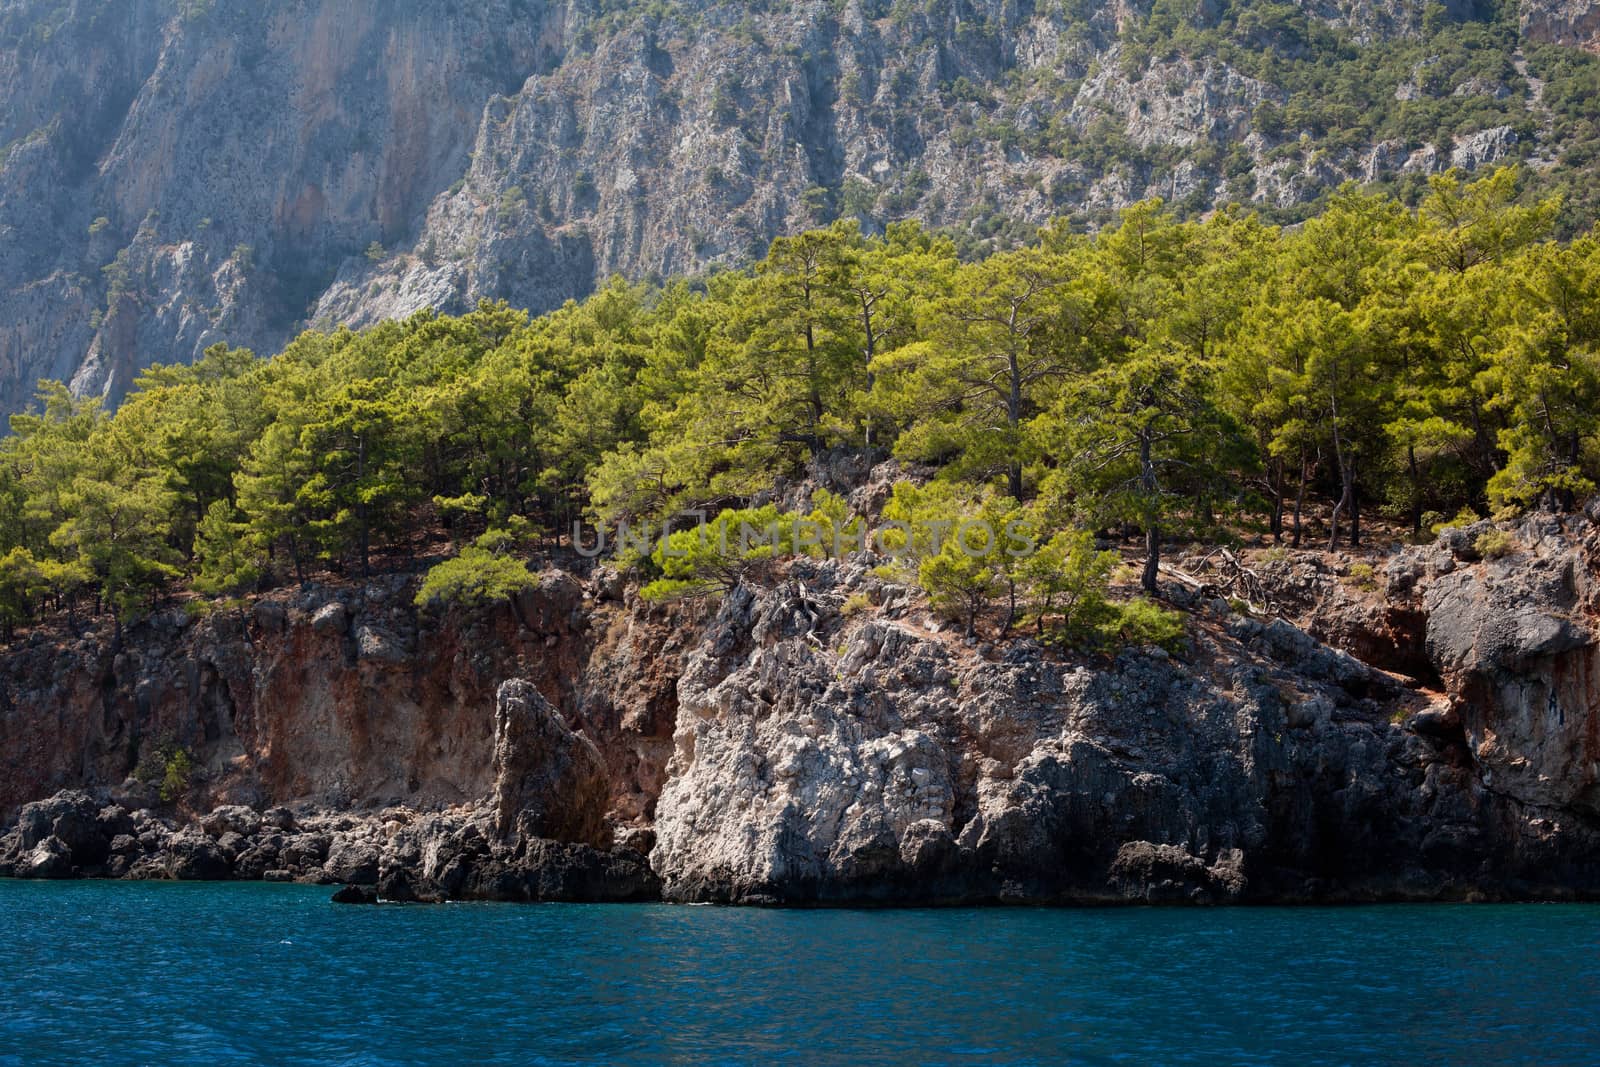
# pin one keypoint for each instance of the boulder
(278, 819)
(404, 886)
(194, 857)
(305, 850)
(256, 861)
(355, 862)
(232, 818)
(49, 859)
(550, 782)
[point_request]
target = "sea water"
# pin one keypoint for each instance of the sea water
(126, 973)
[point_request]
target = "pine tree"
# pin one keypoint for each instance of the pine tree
(970, 387)
(1135, 431)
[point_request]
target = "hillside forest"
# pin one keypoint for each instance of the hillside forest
(1155, 380)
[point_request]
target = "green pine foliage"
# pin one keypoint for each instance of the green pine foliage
(1160, 378)
(485, 572)
(722, 553)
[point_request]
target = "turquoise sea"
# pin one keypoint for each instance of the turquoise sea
(119, 973)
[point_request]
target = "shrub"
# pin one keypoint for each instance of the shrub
(1144, 622)
(1362, 576)
(482, 574)
(1464, 517)
(723, 552)
(512, 203)
(176, 775)
(838, 531)
(22, 583)
(1495, 544)
(855, 604)
(169, 766)
(959, 585)
(1068, 577)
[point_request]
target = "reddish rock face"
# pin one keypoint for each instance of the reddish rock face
(343, 698)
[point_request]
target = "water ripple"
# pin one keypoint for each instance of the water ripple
(246, 974)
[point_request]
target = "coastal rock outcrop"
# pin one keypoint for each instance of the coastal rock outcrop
(817, 761)
(788, 746)
(1514, 638)
(549, 781)
(396, 854)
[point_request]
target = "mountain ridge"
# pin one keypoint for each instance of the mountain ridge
(179, 174)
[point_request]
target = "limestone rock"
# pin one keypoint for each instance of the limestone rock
(231, 171)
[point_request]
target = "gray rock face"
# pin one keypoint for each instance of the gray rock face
(549, 781)
(1568, 22)
(1512, 638)
(173, 176)
(825, 761)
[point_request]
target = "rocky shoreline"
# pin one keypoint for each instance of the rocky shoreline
(399, 855)
(779, 749)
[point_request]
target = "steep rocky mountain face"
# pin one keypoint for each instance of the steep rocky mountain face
(820, 738)
(175, 173)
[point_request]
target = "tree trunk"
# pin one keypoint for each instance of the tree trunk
(1014, 420)
(1300, 502)
(1152, 560)
(361, 508)
(870, 351)
(1416, 491)
(814, 395)
(1276, 521)
(1355, 508)
(1346, 486)
(1152, 529)
(1338, 512)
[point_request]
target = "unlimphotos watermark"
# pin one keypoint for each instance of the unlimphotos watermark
(678, 537)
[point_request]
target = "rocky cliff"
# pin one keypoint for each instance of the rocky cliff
(175, 173)
(821, 738)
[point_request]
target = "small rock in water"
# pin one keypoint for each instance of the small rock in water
(356, 894)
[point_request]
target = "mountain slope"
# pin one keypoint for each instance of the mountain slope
(175, 173)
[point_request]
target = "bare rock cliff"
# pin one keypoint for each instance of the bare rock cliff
(780, 749)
